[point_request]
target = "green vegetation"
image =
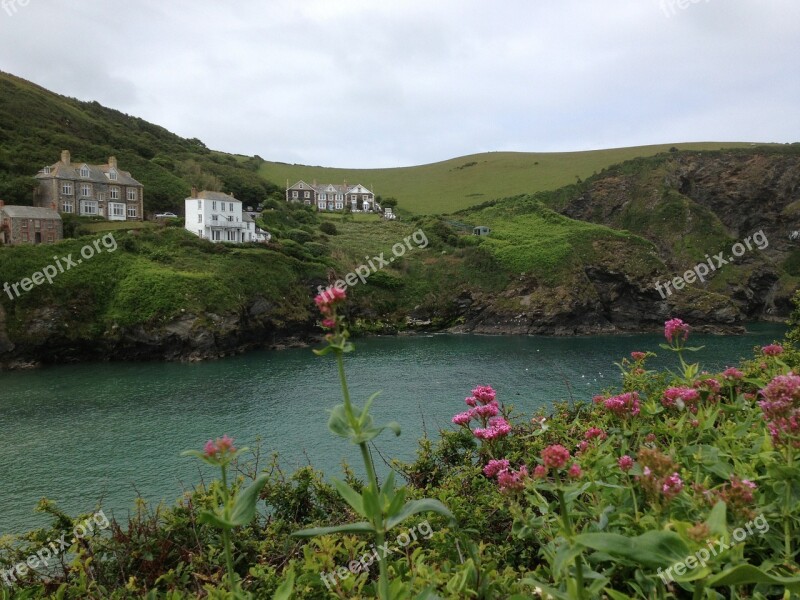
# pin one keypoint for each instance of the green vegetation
(35, 125)
(458, 183)
(631, 495)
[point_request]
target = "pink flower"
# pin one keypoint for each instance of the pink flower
(732, 373)
(462, 418)
(470, 401)
(623, 405)
(672, 486)
(487, 410)
(625, 463)
(583, 446)
(215, 449)
(498, 427)
(495, 466)
(540, 472)
(781, 408)
(598, 399)
(327, 300)
(329, 323)
(595, 432)
(555, 456)
(510, 480)
(484, 394)
(695, 423)
(575, 471)
(772, 350)
(638, 356)
(680, 397)
(675, 328)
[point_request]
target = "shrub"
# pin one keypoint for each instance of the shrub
(328, 228)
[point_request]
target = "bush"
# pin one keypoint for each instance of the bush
(328, 228)
(299, 236)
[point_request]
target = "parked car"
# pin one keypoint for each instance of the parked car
(166, 215)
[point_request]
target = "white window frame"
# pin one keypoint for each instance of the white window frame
(67, 207)
(133, 194)
(295, 194)
(89, 204)
(113, 193)
(86, 190)
(230, 206)
(66, 188)
(112, 175)
(85, 171)
(215, 235)
(116, 211)
(132, 212)
(199, 217)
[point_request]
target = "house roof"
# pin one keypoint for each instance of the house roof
(97, 174)
(322, 188)
(206, 195)
(29, 212)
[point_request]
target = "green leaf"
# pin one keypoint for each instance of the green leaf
(339, 424)
(215, 520)
(418, 506)
(352, 497)
(717, 520)
(372, 507)
(244, 507)
(545, 589)
(365, 412)
(387, 489)
(748, 574)
(651, 549)
(360, 527)
(397, 503)
(284, 592)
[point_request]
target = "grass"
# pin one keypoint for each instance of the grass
(458, 183)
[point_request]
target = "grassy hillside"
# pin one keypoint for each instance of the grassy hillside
(36, 124)
(455, 184)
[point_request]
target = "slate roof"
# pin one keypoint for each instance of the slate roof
(322, 188)
(29, 212)
(97, 174)
(220, 196)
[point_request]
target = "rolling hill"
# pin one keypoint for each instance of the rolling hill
(455, 184)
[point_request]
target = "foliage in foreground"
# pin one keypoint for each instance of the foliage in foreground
(681, 484)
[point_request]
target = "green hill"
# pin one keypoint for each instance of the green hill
(36, 124)
(452, 185)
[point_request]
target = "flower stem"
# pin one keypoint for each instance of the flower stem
(787, 518)
(226, 534)
(570, 534)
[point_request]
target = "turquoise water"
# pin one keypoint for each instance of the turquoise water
(80, 434)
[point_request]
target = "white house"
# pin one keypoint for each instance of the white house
(218, 217)
(253, 231)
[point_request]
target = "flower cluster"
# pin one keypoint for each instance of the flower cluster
(638, 356)
(681, 398)
(623, 405)
(732, 374)
(781, 408)
(625, 463)
(485, 409)
(660, 478)
(772, 350)
(507, 478)
(672, 486)
(675, 329)
(219, 449)
(556, 457)
(326, 303)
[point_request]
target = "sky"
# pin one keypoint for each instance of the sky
(386, 83)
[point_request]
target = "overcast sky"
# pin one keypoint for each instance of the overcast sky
(357, 83)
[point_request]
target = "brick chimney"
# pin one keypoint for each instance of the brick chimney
(112, 162)
(65, 158)
(194, 192)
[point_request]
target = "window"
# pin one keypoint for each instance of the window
(132, 212)
(215, 235)
(66, 207)
(323, 196)
(213, 217)
(115, 209)
(25, 224)
(306, 194)
(294, 194)
(132, 194)
(37, 224)
(214, 205)
(88, 207)
(200, 233)
(50, 238)
(49, 224)
(339, 206)
(199, 205)
(223, 207)
(86, 190)
(84, 171)
(321, 205)
(301, 186)
(99, 196)
(231, 236)
(47, 170)
(199, 217)
(113, 193)
(112, 175)
(24, 236)
(66, 188)
(230, 206)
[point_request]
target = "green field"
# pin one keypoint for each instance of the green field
(458, 183)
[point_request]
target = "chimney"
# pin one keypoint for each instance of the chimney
(53, 206)
(194, 192)
(112, 162)
(65, 157)
(2, 204)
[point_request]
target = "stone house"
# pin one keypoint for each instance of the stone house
(90, 190)
(29, 225)
(330, 196)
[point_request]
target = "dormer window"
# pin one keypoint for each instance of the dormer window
(112, 175)
(84, 171)
(301, 186)
(47, 170)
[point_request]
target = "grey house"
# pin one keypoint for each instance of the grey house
(481, 230)
(29, 225)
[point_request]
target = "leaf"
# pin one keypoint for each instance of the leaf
(360, 527)
(545, 589)
(338, 423)
(651, 549)
(717, 520)
(387, 489)
(397, 503)
(352, 497)
(244, 507)
(215, 520)
(372, 507)
(417, 506)
(747, 574)
(365, 412)
(284, 592)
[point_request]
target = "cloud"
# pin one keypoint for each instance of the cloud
(368, 84)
